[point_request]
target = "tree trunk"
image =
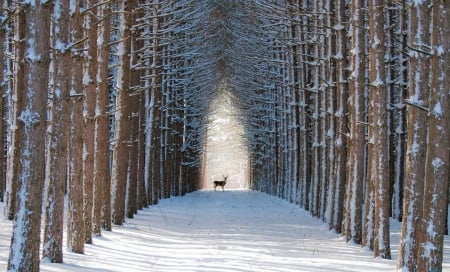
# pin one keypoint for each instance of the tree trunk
(3, 87)
(119, 170)
(356, 152)
(89, 86)
(31, 127)
(102, 175)
(437, 156)
(56, 168)
(341, 114)
(75, 220)
(417, 137)
(378, 125)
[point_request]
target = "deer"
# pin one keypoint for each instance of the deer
(220, 183)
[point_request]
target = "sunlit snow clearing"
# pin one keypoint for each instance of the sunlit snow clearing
(225, 152)
(220, 231)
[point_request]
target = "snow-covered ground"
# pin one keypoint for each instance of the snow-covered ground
(221, 231)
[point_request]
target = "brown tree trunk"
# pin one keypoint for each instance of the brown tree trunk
(133, 154)
(397, 76)
(141, 190)
(438, 144)
(56, 168)
(379, 126)
(341, 114)
(411, 236)
(12, 160)
(357, 146)
(89, 86)
(102, 175)
(120, 167)
(154, 113)
(75, 220)
(2, 106)
(31, 127)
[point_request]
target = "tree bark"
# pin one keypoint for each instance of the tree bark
(411, 237)
(33, 59)
(379, 125)
(56, 168)
(75, 198)
(119, 170)
(102, 175)
(341, 114)
(357, 145)
(3, 87)
(89, 86)
(437, 156)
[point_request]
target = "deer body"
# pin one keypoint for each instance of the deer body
(220, 183)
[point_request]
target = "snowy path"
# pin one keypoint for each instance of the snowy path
(218, 231)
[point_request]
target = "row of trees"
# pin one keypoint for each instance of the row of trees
(343, 103)
(105, 107)
(356, 98)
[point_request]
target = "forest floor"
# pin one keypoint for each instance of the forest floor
(221, 231)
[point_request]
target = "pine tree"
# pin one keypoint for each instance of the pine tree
(33, 60)
(56, 165)
(75, 194)
(418, 32)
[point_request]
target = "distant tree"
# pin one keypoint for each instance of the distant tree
(357, 118)
(316, 74)
(329, 129)
(32, 60)
(12, 160)
(102, 182)
(341, 114)
(120, 167)
(56, 165)
(153, 104)
(89, 87)
(378, 126)
(3, 87)
(133, 140)
(397, 78)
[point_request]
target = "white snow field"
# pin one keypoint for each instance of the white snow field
(211, 231)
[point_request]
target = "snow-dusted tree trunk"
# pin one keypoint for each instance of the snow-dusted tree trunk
(411, 233)
(341, 114)
(153, 106)
(3, 88)
(435, 201)
(89, 86)
(323, 108)
(316, 80)
(142, 197)
(378, 125)
(75, 221)
(396, 77)
(295, 101)
(330, 132)
(32, 60)
(12, 159)
(133, 156)
(102, 182)
(305, 111)
(119, 170)
(56, 167)
(356, 151)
